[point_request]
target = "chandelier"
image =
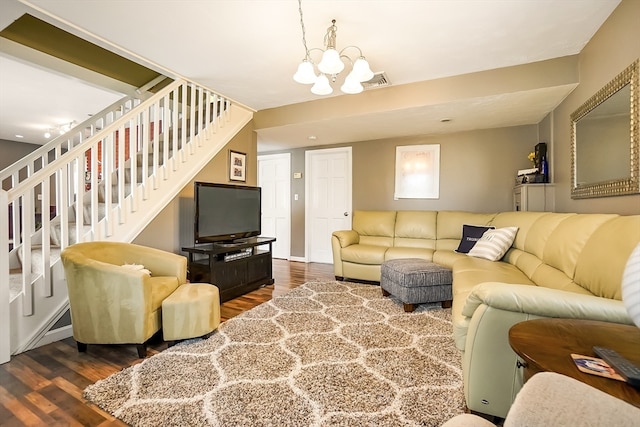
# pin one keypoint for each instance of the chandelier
(331, 64)
(59, 129)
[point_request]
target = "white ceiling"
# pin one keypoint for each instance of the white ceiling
(249, 49)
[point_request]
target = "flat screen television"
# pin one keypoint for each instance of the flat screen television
(225, 213)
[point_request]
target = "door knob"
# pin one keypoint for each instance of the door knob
(346, 214)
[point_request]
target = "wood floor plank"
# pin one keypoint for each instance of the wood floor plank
(27, 375)
(71, 407)
(43, 386)
(36, 367)
(19, 412)
(41, 402)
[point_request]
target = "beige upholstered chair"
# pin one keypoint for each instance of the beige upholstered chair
(112, 304)
(551, 399)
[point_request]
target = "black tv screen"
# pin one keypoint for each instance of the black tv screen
(224, 212)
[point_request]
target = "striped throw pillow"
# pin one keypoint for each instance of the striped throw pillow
(494, 243)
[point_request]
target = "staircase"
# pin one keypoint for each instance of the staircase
(104, 180)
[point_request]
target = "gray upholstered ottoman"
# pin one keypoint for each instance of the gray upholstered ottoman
(416, 281)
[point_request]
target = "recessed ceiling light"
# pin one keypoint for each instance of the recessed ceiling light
(312, 137)
(19, 136)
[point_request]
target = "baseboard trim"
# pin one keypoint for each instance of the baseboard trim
(55, 335)
(298, 259)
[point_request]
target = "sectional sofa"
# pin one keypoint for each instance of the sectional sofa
(559, 265)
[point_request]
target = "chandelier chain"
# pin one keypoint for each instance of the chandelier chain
(304, 33)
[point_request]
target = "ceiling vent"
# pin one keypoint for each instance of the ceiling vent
(379, 80)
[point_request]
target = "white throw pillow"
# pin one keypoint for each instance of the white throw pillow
(494, 243)
(137, 267)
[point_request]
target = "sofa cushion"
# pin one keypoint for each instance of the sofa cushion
(494, 243)
(415, 229)
(568, 240)
(374, 223)
(402, 252)
(364, 254)
(470, 271)
(470, 236)
(447, 258)
(611, 245)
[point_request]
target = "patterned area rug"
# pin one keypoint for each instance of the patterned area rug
(325, 354)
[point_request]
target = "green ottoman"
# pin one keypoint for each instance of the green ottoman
(416, 281)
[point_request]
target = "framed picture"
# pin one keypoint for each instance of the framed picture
(237, 166)
(417, 172)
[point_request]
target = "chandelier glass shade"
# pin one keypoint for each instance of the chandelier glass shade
(332, 63)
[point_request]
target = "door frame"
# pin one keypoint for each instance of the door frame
(307, 189)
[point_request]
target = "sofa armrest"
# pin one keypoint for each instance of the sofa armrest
(341, 239)
(491, 374)
(347, 237)
(545, 302)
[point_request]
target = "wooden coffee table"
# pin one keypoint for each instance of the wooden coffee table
(547, 344)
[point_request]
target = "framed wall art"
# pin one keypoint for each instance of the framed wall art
(237, 166)
(417, 172)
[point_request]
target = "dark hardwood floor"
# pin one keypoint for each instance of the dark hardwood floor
(44, 386)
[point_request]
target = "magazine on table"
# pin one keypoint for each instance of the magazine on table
(595, 366)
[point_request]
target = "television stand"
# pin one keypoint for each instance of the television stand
(235, 268)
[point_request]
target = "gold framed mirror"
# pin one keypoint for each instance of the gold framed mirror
(604, 140)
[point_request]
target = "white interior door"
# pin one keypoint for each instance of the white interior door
(328, 199)
(274, 172)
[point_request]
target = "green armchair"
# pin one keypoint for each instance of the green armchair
(112, 303)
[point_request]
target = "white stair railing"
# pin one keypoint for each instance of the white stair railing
(103, 183)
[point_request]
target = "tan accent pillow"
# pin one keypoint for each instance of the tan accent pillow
(494, 243)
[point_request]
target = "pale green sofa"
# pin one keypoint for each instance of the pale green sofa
(560, 265)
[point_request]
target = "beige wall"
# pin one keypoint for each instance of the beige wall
(613, 48)
(477, 170)
(173, 227)
(477, 173)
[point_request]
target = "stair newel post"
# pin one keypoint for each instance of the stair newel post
(5, 307)
(145, 153)
(26, 219)
(45, 192)
(121, 172)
